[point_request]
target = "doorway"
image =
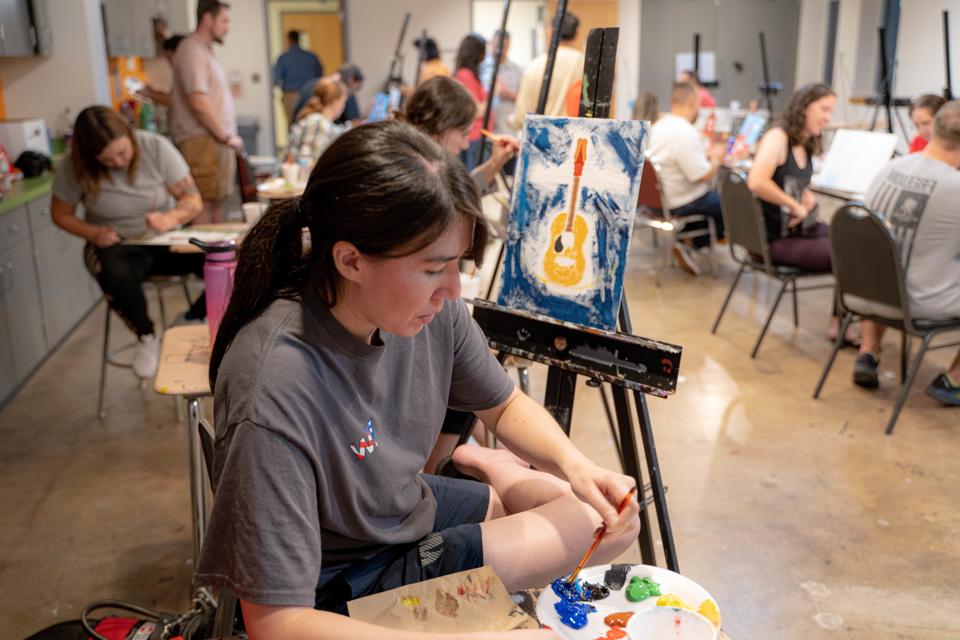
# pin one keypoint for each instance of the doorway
(321, 27)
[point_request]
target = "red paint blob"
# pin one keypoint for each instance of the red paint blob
(613, 634)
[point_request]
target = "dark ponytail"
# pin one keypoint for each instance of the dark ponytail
(386, 188)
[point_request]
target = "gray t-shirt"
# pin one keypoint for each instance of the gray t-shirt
(919, 198)
(320, 439)
(119, 203)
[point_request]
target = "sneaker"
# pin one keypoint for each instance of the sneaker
(146, 357)
(865, 371)
(944, 390)
(686, 259)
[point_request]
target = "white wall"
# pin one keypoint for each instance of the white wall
(74, 76)
(856, 58)
(811, 41)
(245, 61)
(523, 24)
(628, 59)
(373, 27)
(920, 62)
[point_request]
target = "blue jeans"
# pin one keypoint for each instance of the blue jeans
(706, 205)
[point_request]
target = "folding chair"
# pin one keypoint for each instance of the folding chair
(110, 357)
(871, 284)
(746, 230)
(653, 213)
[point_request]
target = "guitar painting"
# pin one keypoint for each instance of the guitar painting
(564, 263)
(571, 218)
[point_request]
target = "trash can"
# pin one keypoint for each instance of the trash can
(248, 127)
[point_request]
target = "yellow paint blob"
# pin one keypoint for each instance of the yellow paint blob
(410, 601)
(672, 600)
(708, 609)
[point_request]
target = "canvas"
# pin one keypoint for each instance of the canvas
(571, 218)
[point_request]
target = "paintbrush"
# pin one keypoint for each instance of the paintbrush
(599, 537)
(494, 137)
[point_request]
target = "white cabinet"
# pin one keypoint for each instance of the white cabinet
(16, 30)
(44, 290)
(129, 24)
(21, 299)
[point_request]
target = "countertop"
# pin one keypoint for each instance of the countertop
(25, 190)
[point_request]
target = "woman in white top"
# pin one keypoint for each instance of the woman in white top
(315, 129)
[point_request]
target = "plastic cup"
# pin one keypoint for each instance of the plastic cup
(252, 211)
(290, 172)
(670, 623)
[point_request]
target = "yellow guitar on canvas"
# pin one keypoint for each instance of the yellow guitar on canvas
(564, 262)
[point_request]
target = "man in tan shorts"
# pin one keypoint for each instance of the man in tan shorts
(203, 122)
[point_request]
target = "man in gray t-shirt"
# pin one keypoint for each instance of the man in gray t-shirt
(203, 122)
(919, 198)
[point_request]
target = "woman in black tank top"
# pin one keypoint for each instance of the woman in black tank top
(781, 174)
(780, 177)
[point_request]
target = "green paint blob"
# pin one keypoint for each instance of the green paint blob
(641, 589)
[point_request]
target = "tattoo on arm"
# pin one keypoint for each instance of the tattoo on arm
(187, 195)
(183, 187)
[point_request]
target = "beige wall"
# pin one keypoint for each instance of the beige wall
(920, 47)
(74, 76)
(373, 27)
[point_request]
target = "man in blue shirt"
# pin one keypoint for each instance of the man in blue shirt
(294, 68)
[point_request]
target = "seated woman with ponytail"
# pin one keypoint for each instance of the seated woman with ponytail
(443, 109)
(332, 371)
(315, 128)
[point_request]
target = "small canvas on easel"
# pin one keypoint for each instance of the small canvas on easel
(571, 218)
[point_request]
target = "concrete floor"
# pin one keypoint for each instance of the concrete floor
(800, 516)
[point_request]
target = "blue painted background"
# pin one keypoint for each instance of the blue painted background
(548, 142)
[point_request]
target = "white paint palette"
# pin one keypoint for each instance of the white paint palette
(684, 588)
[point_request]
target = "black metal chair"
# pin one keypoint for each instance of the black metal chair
(871, 284)
(747, 235)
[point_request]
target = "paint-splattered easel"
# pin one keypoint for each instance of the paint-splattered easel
(626, 362)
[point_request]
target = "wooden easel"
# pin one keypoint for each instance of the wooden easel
(627, 363)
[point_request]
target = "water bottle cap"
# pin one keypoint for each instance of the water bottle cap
(222, 246)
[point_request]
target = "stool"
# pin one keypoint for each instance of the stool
(109, 357)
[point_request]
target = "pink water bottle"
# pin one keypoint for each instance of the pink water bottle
(218, 269)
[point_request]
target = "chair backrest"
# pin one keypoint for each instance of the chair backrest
(649, 197)
(742, 217)
(866, 261)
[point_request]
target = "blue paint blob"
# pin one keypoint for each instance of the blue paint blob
(574, 614)
(568, 592)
